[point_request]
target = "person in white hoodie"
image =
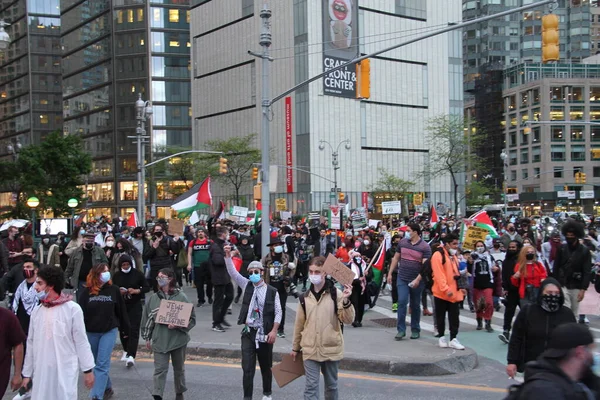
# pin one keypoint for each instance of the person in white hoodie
(359, 287)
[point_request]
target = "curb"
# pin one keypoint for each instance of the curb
(454, 364)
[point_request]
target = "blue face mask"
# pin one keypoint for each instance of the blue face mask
(105, 277)
(255, 278)
(41, 295)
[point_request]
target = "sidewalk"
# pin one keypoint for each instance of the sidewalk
(371, 348)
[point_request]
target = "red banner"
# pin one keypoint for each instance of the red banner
(365, 199)
(289, 175)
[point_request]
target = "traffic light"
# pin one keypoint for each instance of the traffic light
(577, 177)
(363, 79)
(550, 38)
(341, 197)
(254, 173)
(582, 177)
(595, 154)
(222, 166)
(566, 188)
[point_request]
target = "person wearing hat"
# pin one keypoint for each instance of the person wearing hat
(564, 370)
(82, 260)
(261, 314)
(534, 325)
(133, 286)
(279, 272)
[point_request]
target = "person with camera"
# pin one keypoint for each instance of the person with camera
(318, 332)
(528, 275)
(279, 274)
(260, 314)
(159, 253)
(573, 265)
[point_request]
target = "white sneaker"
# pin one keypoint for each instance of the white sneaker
(124, 356)
(455, 344)
(442, 342)
(23, 396)
(130, 362)
(267, 398)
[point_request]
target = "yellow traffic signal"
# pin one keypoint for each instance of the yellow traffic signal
(566, 187)
(254, 173)
(341, 197)
(577, 177)
(582, 177)
(550, 38)
(223, 166)
(363, 79)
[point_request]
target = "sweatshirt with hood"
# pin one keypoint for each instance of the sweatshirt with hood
(532, 328)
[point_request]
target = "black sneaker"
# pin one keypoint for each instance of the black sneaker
(504, 337)
(226, 324)
(218, 328)
(200, 304)
(108, 393)
(229, 312)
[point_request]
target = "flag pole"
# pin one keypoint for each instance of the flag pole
(375, 256)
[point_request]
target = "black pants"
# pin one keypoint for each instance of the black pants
(511, 303)
(394, 288)
(358, 300)
(222, 300)
(280, 286)
(202, 277)
(424, 299)
(301, 274)
(250, 353)
(179, 276)
(130, 343)
(441, 307)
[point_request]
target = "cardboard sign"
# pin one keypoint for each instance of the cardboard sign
(288, 370)
(176, 313)
(473, 235)
(176, 227)
(338, 271)
(280, 204)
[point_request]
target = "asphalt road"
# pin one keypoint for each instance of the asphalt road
(222, 380)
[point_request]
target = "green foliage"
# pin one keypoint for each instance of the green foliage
(480, 193)
(390, 184)
(241, 155)
(53, 171)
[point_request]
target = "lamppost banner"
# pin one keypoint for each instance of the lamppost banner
(289, 176)
(340, 44)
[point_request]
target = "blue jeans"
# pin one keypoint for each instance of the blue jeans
(102, 345)
(415, 305)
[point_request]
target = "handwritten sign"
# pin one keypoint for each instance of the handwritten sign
(473, 235)
(176, 227)
(288, 370)
(280, 204)
(239, 211)
(176, 313)
(391, 207)
(338, 271)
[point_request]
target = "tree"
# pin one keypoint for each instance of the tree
(241, 157)
(53, 171)
(480, 193)
(390, 184)
(450, 150)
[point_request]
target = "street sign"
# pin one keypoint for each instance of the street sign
(586, 194)
(336, 189)
(391, 207)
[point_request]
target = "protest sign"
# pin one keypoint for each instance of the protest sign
(335, 217)
(338, 271)
(288, 370)
(239, 211)
(473, 235)
(176, 313)
(176, 227)
(358, 216)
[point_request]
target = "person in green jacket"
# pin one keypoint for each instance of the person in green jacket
(166, 341)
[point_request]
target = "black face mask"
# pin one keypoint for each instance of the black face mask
(530, 256)
(511, 230)
(511, 252)
(550, 302)
(158, 234)
(572, 240)
(88, 246)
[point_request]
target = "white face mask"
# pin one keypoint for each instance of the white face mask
(316, 279)
(126, 271)
(110, 243)
(366, 242)
(480, 249)
(452, 252)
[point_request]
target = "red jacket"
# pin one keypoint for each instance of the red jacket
(535, 272)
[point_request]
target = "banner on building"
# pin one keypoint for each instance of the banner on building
(586, 194)
(569, 194)
(289, 173)
(340, 45)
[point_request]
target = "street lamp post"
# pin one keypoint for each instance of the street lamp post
(32, 203)
(504, 158)
(334, 159)
(143, 111)
(72, 203)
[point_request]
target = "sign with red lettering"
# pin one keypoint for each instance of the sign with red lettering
(289, 175)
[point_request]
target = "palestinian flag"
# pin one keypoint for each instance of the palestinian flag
(132, 221)
(482, 220)
(378, 265)
(434, 219)
(257, 213)
(219, 213)
(194, 199)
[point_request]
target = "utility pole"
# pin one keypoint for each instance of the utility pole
(265, 42)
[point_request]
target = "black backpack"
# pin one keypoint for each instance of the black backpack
(427, 271)
(332, 292)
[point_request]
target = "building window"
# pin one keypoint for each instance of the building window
(513, 176)
(173, 15)
(536, 173)
(524, 137)
(512, 139)
(576, 94)
(130, 15)
(557, 113)
(119, 16)
(512, 155)
(524, 156)
(578, 152)
(595, 133)
(512, 102)
(536, 154)
(535, 94)
(558, 152)
(524, 174)
(595, 94)
(536, 135)
(557, 93)
(577, 134)
(558, 133)
(140, 15)
(43, 119)
(524, 99)
(576, 113)
(596, 172)
(412, 8)
(559, 172)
